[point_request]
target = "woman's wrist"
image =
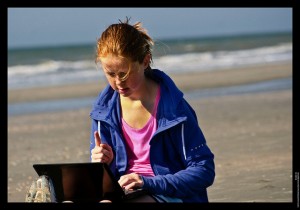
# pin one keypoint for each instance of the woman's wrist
(142, 181)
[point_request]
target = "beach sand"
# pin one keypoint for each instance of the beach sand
(250, 134)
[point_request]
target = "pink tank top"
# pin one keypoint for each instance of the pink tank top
(137, 143)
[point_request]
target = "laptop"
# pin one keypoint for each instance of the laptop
(84, 182)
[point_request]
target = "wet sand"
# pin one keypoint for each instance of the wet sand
(250, 134)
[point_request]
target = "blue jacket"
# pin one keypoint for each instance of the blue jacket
(180, 158)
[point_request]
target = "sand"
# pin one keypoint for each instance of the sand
(250, 134)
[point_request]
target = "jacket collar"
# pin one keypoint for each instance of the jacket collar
(107, 105)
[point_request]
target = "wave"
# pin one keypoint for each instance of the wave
(52, 72)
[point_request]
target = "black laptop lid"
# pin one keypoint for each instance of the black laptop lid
(81, 182)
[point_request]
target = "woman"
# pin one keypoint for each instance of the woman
(142, 127)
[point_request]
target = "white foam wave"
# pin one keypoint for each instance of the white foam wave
(63, 72)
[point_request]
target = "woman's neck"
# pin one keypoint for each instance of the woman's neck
(145, 97)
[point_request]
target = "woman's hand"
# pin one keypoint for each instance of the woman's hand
(130, 181)
(102, 152)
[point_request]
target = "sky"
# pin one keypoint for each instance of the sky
(32, 27)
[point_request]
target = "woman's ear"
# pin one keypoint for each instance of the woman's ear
(146, 61)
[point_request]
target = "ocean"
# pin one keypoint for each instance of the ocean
(57, 65)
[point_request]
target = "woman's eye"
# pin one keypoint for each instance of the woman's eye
(111, 74)
(122, 74)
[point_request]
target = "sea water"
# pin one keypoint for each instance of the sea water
(50, 66)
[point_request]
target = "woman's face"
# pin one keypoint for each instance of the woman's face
(115, 68)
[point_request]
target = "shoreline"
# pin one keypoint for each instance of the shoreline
(84, 102)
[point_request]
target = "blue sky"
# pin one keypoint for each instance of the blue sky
(28, 27)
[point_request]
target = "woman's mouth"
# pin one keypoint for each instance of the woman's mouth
(123, 90)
